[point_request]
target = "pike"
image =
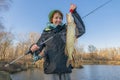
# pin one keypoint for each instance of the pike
(70, 39)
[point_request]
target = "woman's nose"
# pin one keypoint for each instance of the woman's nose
(59, 19)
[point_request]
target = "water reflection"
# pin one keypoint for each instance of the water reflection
(32, 74)
(99, 72)
(89, 72)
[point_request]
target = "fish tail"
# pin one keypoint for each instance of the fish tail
(71, 62)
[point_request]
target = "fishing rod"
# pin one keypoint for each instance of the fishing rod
(14, 60)
(96, 9)
(28, 52)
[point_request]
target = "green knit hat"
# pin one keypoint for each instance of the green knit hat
(50, 16)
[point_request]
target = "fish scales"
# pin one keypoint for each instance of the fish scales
(70, 39)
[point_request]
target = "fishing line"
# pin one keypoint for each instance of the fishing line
(96, 9)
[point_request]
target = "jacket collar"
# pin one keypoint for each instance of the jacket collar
(51, 26)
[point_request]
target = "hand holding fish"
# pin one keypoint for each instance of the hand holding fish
(73, 7)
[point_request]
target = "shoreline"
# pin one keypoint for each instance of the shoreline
(18, 67)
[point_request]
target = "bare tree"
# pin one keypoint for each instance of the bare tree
(5, 42)
(91, 48)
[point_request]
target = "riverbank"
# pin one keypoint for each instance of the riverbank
(20, 66)
(13, 68)
(99, 62)
(17, 67)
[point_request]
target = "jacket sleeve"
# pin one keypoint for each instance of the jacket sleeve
(80, 27)
(40, 41)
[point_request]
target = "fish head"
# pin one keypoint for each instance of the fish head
(69, 18)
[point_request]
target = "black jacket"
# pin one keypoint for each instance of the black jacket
(55, 58)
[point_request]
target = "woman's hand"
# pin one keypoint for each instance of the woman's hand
(34, 48)
(72, 7)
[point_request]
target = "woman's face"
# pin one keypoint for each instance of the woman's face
(57, 19)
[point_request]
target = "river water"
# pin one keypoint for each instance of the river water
(89, 72)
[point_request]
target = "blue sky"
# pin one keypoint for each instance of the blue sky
(102, 27)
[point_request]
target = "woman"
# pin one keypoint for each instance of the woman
(54, 50)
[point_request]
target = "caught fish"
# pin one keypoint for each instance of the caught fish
(70, 39)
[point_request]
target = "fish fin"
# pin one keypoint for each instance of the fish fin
(73, 61)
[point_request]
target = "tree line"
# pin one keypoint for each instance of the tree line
(10, 48)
